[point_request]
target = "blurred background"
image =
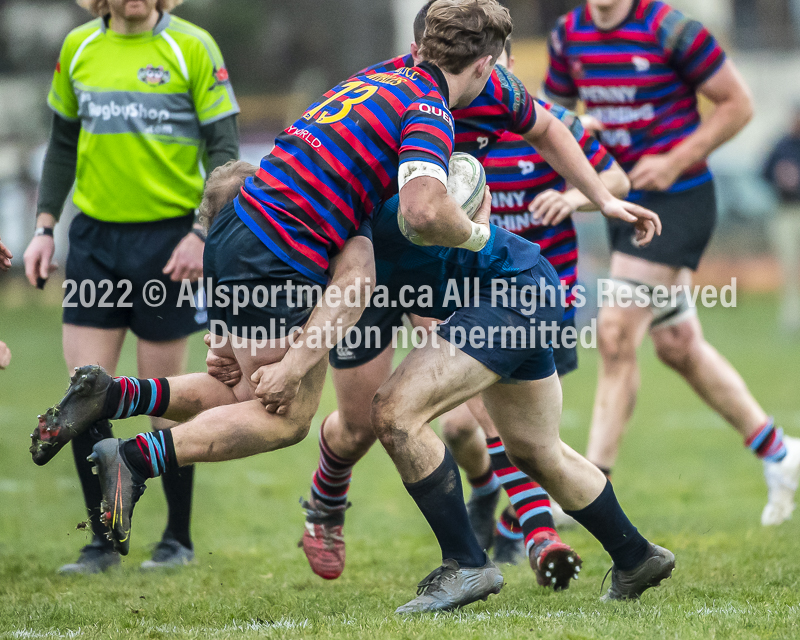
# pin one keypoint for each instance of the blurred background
(281, 55)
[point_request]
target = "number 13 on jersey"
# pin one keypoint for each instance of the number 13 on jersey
(358, 92)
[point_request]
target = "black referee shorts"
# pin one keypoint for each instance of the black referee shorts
(114, 270)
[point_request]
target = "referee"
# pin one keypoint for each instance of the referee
(140, 98)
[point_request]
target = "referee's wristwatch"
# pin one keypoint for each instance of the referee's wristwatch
(43, 231)
(200, 233)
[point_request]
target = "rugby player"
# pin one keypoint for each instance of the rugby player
(527, 412)
(530, 199)
(5, 265)
(639, 66)
(359, 144)
(139, 97)
(358, 371)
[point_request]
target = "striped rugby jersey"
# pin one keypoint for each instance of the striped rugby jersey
(516, 174)
(503, 105)
(331, 168)
(639, 79)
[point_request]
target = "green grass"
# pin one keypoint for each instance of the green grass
(683, 478)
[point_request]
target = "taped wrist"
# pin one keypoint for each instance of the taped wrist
(478, 239)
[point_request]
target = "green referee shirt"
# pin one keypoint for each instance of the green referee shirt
(141, 100)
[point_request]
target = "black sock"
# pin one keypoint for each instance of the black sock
(441, 500)
(151, 454)
(90, 485)
(178, 490)
(606, 521)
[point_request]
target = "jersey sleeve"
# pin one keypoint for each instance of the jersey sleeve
(426, 141)
(211, 87)
(519, 113)
(694, 53)
(558, 81)
(61, 97)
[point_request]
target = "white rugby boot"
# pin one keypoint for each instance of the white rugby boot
(782, 480)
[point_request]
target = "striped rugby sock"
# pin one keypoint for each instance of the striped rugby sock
(331, 481)
(486, 484)
(508, 526)
(529, 500)
(151, 454)
(129, 397)
(767, 442)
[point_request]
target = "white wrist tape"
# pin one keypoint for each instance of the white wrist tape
(477, 241)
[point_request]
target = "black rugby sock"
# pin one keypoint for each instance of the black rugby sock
(178, 491)
(441, 500)
(606, 521)
(90, 484)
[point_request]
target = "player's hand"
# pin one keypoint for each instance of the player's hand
(275, 387)
(647, 222)
(186, 261)
(550, 208)
(485, 210)
(5, 257)
(5, 355)
(654, 173)
(590, 123)
(226, 370)
(38, 259)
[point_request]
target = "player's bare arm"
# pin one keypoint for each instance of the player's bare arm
(558, 147)
(276, 385)
(733, 109)
(551, 207)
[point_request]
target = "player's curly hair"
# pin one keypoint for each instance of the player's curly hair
(99, 8)
(458, 32)
(221, 187)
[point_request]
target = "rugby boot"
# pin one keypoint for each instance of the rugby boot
(629, 585)
(782, 479)
(554, 563)
(323, 538)
(168, 554)
(122, 487)
(480, 510)
(451, 587)
(508, 550)
(95, 557)
(79, 409)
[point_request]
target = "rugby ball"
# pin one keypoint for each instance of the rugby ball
(465, 184)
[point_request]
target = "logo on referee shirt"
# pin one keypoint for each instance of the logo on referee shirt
(154, 76)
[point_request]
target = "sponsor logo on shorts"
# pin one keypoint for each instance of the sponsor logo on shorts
(154, 76)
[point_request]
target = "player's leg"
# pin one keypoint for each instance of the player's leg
(527, 416)
(103, 346)
(161, 359)
(786, 240)
(465, 439)
(345, 436)
(620, 331)
(682, 347)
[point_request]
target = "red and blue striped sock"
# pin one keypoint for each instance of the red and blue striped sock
(767, 442)
(151, 454)
(486, 484)
(508, 526)
(530, 501)
(129, 397)
(331, 481)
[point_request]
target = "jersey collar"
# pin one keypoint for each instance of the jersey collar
(627, 18)
(438, 77)
(161, 25)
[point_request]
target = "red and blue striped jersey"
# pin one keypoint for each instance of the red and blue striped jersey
(342, 158)
(503, 105)
(639, 79)
(516, 174)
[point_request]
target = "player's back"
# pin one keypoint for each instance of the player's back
(334, 165)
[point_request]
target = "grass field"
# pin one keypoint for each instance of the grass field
(683, 477)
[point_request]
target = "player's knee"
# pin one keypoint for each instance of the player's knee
(384, 415)
(359, 432)
(675, 346)
(532, 463)
(455, 428)
(616, 342)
